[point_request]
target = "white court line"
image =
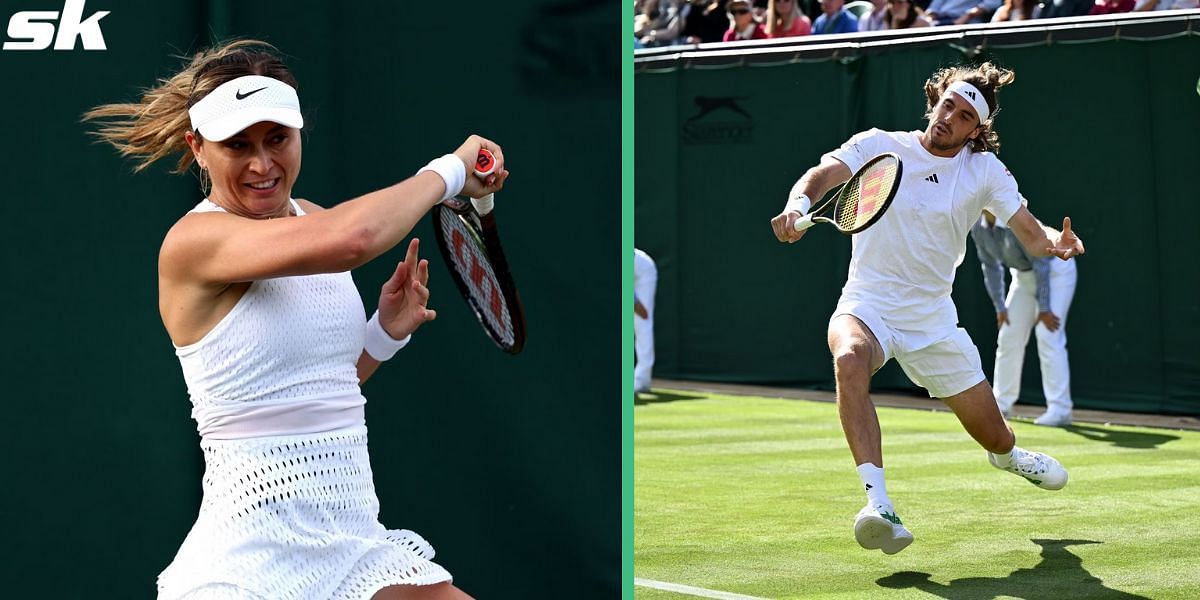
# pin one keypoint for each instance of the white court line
(691, 591)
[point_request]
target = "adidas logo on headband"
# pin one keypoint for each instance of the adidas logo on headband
(972, 95)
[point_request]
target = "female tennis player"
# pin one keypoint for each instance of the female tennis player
(256, 295)
(896, 302)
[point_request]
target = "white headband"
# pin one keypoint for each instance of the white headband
(242, 102)
(972, 95)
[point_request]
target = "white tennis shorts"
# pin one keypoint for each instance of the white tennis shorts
(945, 363)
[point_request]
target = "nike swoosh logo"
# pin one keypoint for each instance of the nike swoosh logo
(241, 96)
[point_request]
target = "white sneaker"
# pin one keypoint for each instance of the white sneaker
(1053, 419)
(1041, 470)
(879, 528)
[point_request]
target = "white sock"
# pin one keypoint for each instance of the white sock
(872, 478)
(1005, 459)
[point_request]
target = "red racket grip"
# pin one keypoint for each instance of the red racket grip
(485, 163)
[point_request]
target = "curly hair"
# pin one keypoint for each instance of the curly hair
(153, 127)
(989, 79)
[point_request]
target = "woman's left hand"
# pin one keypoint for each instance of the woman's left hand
(468, 152)
(404, 296)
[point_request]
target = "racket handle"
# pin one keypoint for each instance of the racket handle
(485, 163)
(804, 222)
(485, 204)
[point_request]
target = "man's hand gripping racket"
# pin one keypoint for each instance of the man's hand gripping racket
(859, 203)
(469, 241)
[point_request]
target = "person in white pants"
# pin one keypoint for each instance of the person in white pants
(1038, 300)
(645, 281)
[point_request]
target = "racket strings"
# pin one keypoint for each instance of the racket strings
(471, 264)
(848, 210)
(868, 196)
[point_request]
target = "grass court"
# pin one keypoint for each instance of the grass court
(740, 496)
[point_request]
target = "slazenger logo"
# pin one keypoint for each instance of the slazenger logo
(719, 120)
(35, 29)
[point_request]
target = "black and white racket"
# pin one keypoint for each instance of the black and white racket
(862, 200)
(471, 248)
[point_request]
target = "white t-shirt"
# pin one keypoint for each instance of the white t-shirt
(904, 265)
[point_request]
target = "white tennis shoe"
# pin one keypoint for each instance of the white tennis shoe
(1052, 418)
(879, 528)
(1039, 469)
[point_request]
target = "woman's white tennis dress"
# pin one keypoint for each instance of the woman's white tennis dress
(289, 508)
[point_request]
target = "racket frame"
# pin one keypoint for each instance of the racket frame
(817, 215)
(483, 233)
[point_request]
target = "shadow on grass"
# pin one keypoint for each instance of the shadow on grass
(1060, 576)
(655, 397)
(1121, 439)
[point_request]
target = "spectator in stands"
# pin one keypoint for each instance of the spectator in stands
(961, 12)
(1143, 5)
(902, 14)
(1016, 10)
(659, 22)
(742, 25)
(784, 19)
(835, 18)
(759, 8)
(706, 22)
(1108, 7)
(874, 20)
(1065, 8)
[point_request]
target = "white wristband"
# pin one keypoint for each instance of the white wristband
(378, 343)
(799, 203)
(484, 205)
(452, 171)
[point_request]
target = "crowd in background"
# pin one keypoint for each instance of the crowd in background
(670, 22)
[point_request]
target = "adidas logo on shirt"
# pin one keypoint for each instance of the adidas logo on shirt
(932, 178)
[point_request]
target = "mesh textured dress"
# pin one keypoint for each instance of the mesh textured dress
(289, 508)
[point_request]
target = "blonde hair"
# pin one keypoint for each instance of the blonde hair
(154, 127)
(989, 79)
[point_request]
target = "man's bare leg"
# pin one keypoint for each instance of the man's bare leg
(856, 356)
(977, 411)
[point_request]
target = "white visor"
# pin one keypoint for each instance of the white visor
(973, 96)
(242, 102)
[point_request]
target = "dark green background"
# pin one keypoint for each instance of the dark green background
(1104, 132)
(508, 466)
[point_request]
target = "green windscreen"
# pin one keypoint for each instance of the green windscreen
(1101, 130)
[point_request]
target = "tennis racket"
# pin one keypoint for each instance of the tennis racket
(470, 246)
(862, 200)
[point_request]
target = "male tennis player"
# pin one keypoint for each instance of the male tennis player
(896, 302)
